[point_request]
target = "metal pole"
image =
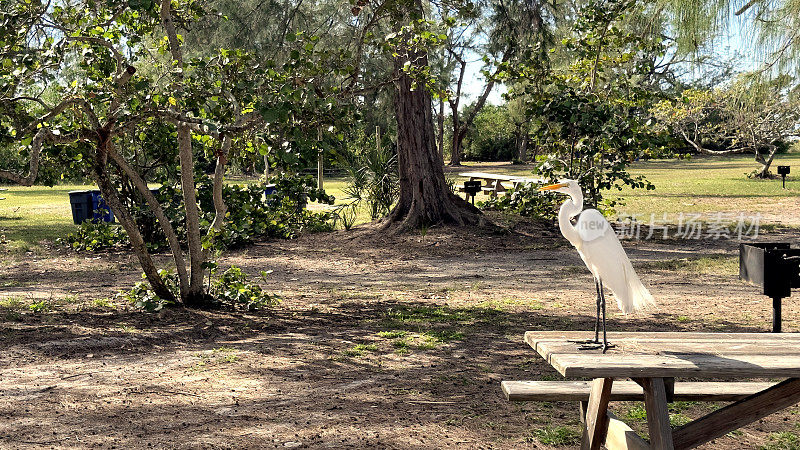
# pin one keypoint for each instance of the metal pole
(320, 160)
(776, 314)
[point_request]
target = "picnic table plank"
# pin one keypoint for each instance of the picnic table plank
(661, 336)
(639, 355)
(500, 177)
(490, 176)
(486, 175)
(682, 365)
(552, 391)
(654, 348)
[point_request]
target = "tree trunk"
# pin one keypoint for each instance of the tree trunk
(158, 211)
(195, 296)
(101, 176)
(763, 172)
(458, 139)
(460, 128)
(425, 198)
(522, 153)
(440, 136)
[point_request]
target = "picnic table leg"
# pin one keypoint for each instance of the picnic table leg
(596, 423)
(655, 403)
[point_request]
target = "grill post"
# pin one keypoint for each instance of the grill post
(776, 314)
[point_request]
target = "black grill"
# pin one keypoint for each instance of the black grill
(773, 266)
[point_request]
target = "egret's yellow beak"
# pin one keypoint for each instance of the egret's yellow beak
(553, 187)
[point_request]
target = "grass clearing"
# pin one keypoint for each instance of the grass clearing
(506, 302)
(559, 436)
(18, 303)
(392, 334)
(782, 441)
(33, 214)
(401, 346)
(706, 265)
(102, 303)
(360, 350)
(403, 316)
(13, 303)
(708, 185)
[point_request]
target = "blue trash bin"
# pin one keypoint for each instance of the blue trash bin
(100, 210)
(269, 192)
(81, 204)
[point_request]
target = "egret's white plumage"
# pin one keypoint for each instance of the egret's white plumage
(600, 249)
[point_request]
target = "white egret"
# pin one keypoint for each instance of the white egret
(598, 246)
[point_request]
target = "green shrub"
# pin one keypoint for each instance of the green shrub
(249, 217)
(493, 136)
(40, 306)
(92, 237)
(142, 296)
(233, 290)
(526, 201)
(373, 178)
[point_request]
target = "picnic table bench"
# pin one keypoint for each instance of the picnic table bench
(493, 182)
(652, 360)
(1, 190)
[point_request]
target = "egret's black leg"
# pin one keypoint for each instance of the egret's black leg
(606, 345)
(592, 344)
(597, 316)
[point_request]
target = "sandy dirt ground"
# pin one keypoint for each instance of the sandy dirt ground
(379, 342)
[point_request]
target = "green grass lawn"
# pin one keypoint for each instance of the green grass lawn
(708, 185)
(700, 185)
(30, 215)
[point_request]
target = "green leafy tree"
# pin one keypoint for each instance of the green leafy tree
(493, 136)
(81, 78)
(502, 33)
(751, 115)
(590, 117)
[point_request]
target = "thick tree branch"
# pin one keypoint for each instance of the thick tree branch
(33, 170)
(158, 211)
(61, 107)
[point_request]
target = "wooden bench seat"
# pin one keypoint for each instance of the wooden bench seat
(559, 391)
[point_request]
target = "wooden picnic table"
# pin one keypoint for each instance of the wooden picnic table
(654, 360)
(493, 182)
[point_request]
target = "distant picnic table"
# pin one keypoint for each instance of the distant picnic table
(493, 182)
(1, 190)
(653, 360)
